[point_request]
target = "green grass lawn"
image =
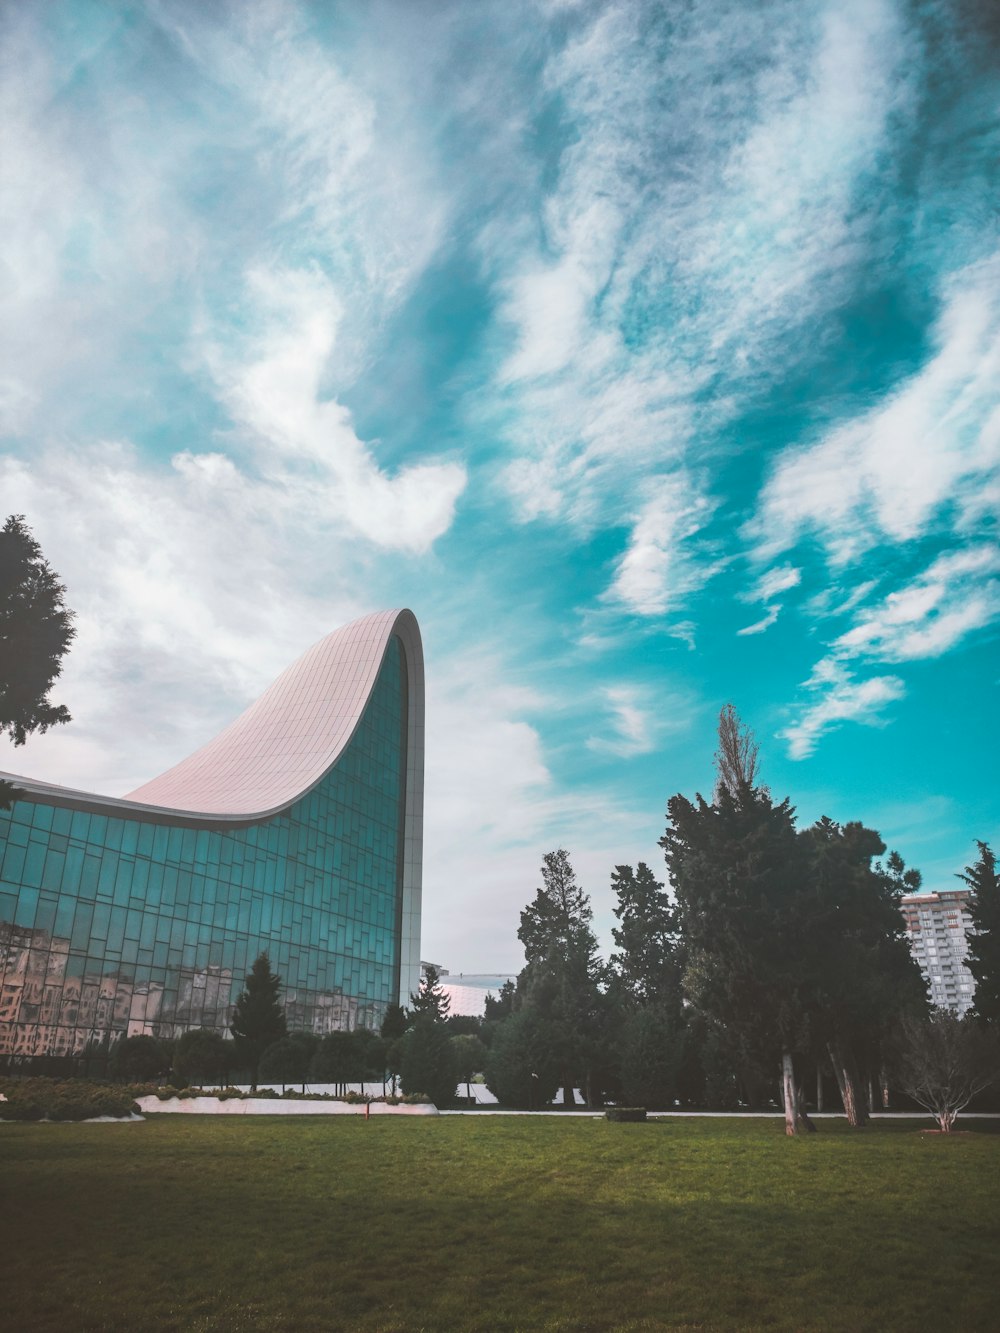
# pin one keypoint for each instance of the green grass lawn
(490, 1223)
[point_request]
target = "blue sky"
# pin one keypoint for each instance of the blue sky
(649, 352)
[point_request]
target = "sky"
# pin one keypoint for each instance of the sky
(649, 352)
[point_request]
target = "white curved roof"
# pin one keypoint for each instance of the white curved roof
(296, 731)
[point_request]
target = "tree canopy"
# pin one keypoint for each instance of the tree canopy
(36, 629)
(984, 941)
(258, 1017)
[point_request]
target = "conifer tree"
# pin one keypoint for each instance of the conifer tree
(984, 940)
(258, 1018)
(430, 1000)
(36, 629)
(560, 980)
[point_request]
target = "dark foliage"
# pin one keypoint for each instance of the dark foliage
(428, 1064)
(258, 1017)
(984, 941)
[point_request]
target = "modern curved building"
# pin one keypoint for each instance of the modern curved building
(297, 830)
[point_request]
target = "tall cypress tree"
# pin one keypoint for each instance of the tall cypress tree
(984, 942)
(560, 979)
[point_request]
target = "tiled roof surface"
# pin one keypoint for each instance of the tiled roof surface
(285, 742)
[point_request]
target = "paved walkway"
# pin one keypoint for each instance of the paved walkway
(732, 1115)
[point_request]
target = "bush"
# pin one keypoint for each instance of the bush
(138, 1058)
(626, 1115)
(77, 1099)
(429, 1067)
(521, 1066)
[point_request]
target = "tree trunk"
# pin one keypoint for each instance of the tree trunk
(848, 1082)
(788, 1093)
(819, 1087)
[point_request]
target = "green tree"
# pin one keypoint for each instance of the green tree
(285, 1061)
(138, 1059)
(524, 1062)
(470, 1057)
(645, 965)
(258, 1017)
(430, 1000)
(864, 976)
(651, 1048)
(395, 1022)
(738, 872)
(201, 1056)
(984, 940)
(428, 1063)
(36, 629)
(334, 1061)
(562, 974)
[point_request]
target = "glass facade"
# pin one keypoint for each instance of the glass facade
(113, 926)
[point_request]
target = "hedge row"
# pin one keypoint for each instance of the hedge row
(72, 1099)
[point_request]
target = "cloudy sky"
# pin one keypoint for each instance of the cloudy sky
(649, 352)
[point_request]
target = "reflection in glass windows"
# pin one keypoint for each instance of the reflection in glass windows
(118, 926)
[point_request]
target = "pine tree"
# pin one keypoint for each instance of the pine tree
(984, 941)
(258, 1018)
(560, 980)
(430, 1000)
(645, 964)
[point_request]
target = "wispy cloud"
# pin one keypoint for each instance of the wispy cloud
(631, 722)
(658, 571)
(952, 598)
(841, 699)
(759, 626)
(920, 457)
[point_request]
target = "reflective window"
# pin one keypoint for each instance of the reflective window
(111, 926)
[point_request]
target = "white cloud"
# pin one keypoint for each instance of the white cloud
(931, 447)
(775, 581)
(843, 699)
(633, 724)
(953, 597)
(656, 572)
(759, 626)
(306, 446)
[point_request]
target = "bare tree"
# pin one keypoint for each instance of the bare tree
(736, 757)
(943, 1061)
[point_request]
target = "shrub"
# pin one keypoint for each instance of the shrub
(78, 1099)
(626, 1114)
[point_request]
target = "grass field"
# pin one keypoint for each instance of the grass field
(488, 1223)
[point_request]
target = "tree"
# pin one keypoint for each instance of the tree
(36, 629)
(258, 1018)
(864, 976)
(645, 964)
(334, 1061)
(428, 1063)
(523, 1064)
(285, 1061)
(651, 1047)
(395, 1022)
(943, 1061)
(138, 1059)
(738, 870)
(560, 980)
(736, 757)
(430, 1000)
(470, 1056)
(201, 1056)
(984, 941)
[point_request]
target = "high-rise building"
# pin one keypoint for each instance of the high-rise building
(296, 831)
(938, 925)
